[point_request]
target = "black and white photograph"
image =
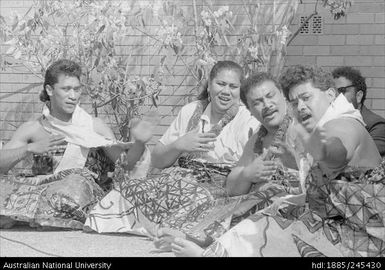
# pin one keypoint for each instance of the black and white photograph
(192, 128)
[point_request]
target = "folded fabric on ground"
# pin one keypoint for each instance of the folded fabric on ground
(344, 217)
(190, 198)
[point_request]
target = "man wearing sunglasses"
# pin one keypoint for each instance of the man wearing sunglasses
(350, 82)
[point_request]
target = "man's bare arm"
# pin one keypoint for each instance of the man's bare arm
(102, 129)
(22, 144)
(134, 153)
(10, 157)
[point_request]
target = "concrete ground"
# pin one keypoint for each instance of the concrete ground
(28, 242)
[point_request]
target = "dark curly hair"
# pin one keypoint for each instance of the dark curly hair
(354, 76)
(218, 67)
(254, 80)
(62, 66)
(299, 74)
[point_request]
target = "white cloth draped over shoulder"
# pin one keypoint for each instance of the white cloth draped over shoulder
(80, 135)
(230, 142)
(340, 107)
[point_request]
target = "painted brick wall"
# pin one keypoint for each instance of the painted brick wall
(356, 40)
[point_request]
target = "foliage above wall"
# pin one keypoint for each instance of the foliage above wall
(87, 32)
(97, 33)
(337, 7)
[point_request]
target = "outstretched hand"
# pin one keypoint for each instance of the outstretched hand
(286, 153)
(196, 142)
(143, 130)
(260, 170)
(50, 143)
(315, 142)
(282, 148)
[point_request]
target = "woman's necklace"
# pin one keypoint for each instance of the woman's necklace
(218, 127)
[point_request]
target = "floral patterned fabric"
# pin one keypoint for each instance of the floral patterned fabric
(62, 199)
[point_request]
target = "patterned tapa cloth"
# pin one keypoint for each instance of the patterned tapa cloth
(50, 199)
(192, 199)
(345, 216)
(116, 214)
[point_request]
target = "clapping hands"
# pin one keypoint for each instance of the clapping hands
(142, 130)
(314, 142)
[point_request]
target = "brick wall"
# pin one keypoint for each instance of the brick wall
(356, 40)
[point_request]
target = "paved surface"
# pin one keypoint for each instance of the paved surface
(27, 242)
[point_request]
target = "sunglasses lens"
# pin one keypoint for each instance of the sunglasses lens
(341, 90)
(344, 88)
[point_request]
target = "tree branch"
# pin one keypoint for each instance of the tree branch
(303, 24)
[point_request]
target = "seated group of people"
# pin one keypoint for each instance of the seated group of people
(254, 167)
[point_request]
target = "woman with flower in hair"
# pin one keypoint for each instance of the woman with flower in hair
(196, 153)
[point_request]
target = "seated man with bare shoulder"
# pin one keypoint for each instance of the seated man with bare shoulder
(72, 155)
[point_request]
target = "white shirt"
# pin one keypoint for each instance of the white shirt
(230, 142)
